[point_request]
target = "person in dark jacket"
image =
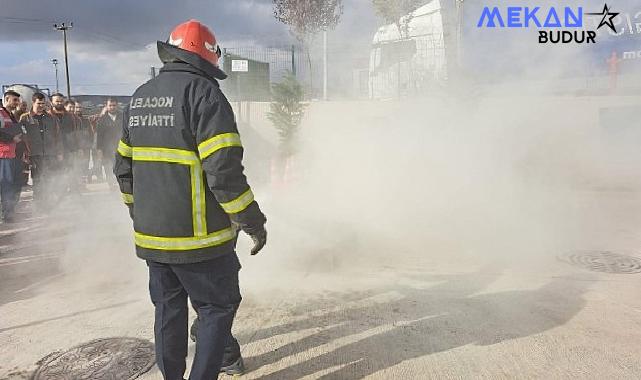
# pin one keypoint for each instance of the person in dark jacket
(22, 151)
(22, 108)
(67, 132)
(108, 130)
(10, 169)
(75, 184)
(45, 150)
(85, 142)
(179, 167)
(66, 127)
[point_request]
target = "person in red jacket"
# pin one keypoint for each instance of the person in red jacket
(10, 135)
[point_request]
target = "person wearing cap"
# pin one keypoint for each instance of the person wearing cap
(179, 168)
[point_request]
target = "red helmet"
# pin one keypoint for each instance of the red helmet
(196, 38)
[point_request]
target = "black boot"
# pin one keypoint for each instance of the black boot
(235, 369)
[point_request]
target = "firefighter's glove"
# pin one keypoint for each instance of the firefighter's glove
(260, 239)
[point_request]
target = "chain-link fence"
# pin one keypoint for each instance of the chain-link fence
(252, 69)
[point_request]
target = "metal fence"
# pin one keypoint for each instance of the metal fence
(347, 76)
(251, 112)
(243, 85)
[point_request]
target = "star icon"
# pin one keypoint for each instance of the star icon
(608, 18)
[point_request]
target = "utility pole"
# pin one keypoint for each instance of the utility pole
(293, 61)
(55, 65)
(325, 65)
(64, 27)
(459, 33)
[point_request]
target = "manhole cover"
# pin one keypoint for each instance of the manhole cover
(111, 358)
(604, 261)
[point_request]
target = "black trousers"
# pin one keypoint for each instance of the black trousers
(213, 289)
(43, 172)
(9, 185)
(9, 197)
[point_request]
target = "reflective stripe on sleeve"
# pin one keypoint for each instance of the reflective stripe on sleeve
(224, 140)
(239, 204)
(128, 198)
(124, 149)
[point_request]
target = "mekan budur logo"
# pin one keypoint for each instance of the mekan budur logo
(554, 21)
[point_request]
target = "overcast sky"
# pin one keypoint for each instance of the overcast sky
(112, 43)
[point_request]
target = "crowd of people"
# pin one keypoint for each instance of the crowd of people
(56, 145)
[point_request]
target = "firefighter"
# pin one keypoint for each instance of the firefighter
(178, 166)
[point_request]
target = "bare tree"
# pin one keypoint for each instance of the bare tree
(306, 18)
(398, 12)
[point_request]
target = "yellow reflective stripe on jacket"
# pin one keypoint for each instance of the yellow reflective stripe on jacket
(124, 149)
(183, 157)
(128, 198)
(225, 140)
(239, 204)
(175, 156)
(198, 200)
(184, 243)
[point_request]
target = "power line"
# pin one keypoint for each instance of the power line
(108, 84)
(25, 20)
(18, 22)
(31, 26)
(95, 84)
(113, 40)
(99, 35)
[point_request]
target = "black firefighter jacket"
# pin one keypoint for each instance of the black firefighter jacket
(179, 164)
